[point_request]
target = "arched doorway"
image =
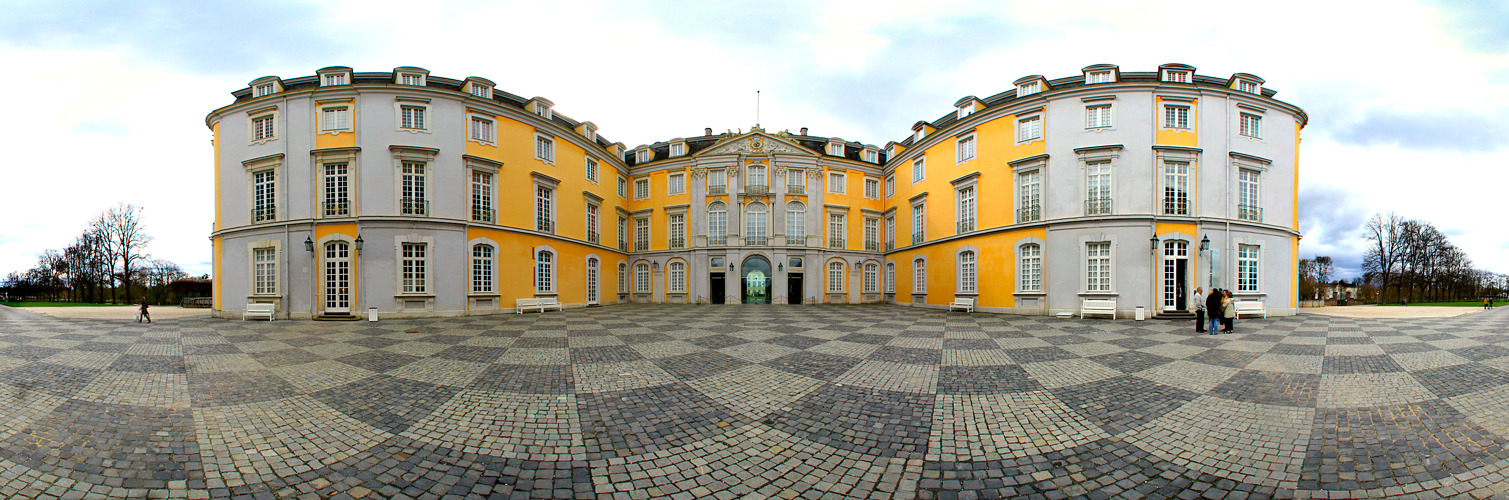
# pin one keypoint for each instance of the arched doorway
(756, 276)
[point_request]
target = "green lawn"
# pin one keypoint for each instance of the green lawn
(1468, 303)
(59, 304)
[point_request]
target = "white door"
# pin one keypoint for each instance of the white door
(591, 281)
(337, 278)
(1175, 255)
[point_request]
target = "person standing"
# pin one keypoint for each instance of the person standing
(1213, 308)
(1487, 304)
(1228, 312)
(1199, 310)
(143, 314)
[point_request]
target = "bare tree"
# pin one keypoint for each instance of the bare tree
(1382, 256)
(1324, 270)
(127, 237)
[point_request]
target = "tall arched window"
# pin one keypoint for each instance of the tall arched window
(919, 276)
(482, 268)
(872, 277)
(717, 223)
(544, 272)
(592, 281)
(754, 227)
(623, 277)
(967, 271)
(642, 278)
(676, 275)
(1032, 268)
(796, 223)
(890, 277)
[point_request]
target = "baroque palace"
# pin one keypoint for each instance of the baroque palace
(414, 195)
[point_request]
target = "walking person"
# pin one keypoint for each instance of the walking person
(1228, 312)
(143, 314)
(1199, 310)
(1487, 304)
(1213, 309)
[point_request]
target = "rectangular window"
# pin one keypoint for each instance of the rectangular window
(1175, 188)
(796, 182)
(678, 149)
(872, 278)
(1028, 89)
(835, 149)
(836, 231)
(754, 180)
(890, 233)
(890, 186)
(262, 128)
(1247, 268)
(482, 269)
(643, 156)
(965, 149)
(413, 201)
(835, 277)
(623, 187)
(872, 156)
(414, 268)
(337, 190)
(872, 234)
(872, 189)
(1030, 196)
(890, 277)
(591, 170)
(334, 118)
(411, 79)
(263, 89)
(919, 170)
(919, 276)
(1029, 129)
(1248, 207)
(482, 129)
(1177, 76)
(836, 183)
(1248, 87)
(641, 234)
(592, 225)
(1098, 77)
(1098, 188)
(642, 278)
(544, 209)
(544, 149)
(1252, 126)
(264, 196)
(482, 91)
(266, 262)
(966, 210)
(676, 184)
(544, 272)
(677, 226)
(717, 182)
(919, 223)
(1176, 117)
(1098, 116)
(1098, 267)
(623, 234)
(641, 189)
(676, 275)
(796, 224)
(717, 225)
(412, 117)
(1032, 268)
(335, 79)
(967, 272)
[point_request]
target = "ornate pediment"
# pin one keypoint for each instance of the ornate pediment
(756, 143)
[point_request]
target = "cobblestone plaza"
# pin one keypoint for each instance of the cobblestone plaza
(753, 401)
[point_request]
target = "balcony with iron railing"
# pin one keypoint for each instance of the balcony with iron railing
(623, 246)
(890, 245)
(1175, 206)
(1030, 213)
(966, 225)
(413, 206)
(592, 236)
(758, 241)
(918, 237)
(756, 189)
(1098, 206)
(872, 246)
(1250, 213)
(337, 208)
(641, 246)
(798, 189)
(717, 189)
(678, 243)
(835, 242)
(718, 240)
(264, 214)
(484, 214)
(544, 225)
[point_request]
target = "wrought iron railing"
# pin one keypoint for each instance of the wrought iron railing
(1030, 213)
(756, 189)
(1175, 206)
(592, 236)
(335, 208)
(678, 242)
(758, 241)
(484, 214)
(641, 245)
(872, 246)
(717, 240)
(918, 237)
(1249, 212)
(264, 214)
(835, 243)
(890, 245)
(1098, 206)
(623, 246)
(544, 225)
(717, 189)
(797, 189)
(413, 206)
(966, 225)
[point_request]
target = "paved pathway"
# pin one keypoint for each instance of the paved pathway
(757, 401)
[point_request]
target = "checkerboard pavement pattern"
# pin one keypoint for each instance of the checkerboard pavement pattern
(754, 402)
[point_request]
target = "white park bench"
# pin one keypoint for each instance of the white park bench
(540, 304)
(1097, 306)
(965, 303)
(1251, 307)
(258, 310)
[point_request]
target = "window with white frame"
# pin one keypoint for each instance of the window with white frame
(872, 234)
(919, 170)
(754, 224)
(266, 271)
(872, 277)
(333, 79)
(1248, 207)
(919, 276)
(543, 110)
(1175, 188)
(544, 272)
(623, 187)
(1028, 89)
(591, 170)
(717, 181)
(836, 182)
(644, 155)
(676, 277)
(1030, 196)
(590, 133)
(337, 177)
(1098, 116)
(717, 223)
(890, 277)
(965, 110)
(263, 89)
(264, 195)
(1251, 126)
(1176, 76)
(1032, 268)
(642, 278)
(1247, 86)
(623, 278)
(410, 79)
(835, 149)
(334, 118)
(482, 129)
(871, 156)
(1247, 268)
(262, 127)
(678, 149)
(415, 264)
(1029, 129)
(965, 148)
(967, 272)
(544, 149)
(676, 225)
(482, 268)
(1098, 266)
(482, 197)
(872, 188)
(482, 91)
(641, 188)
(592, 222)
(1098, 77)
(796, 223)
(593, 280)
(412, 117)
(836, 230)
(412, 199)
(1098, 188)
(544, 209)
(1175, 116)
(796, 181)
(965, 212)
(623, 233)
(919, 223)
(890, 186)
(755, 181)
(675, 184)
(890, 232)
(836, 276)
(641, 234)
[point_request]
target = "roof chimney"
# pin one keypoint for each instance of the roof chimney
(804, 130)
(707, 131)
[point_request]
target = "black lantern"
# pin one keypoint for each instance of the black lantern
(308, 244)
(1153, 243)
(656, 265)
(780, 267)
(359, 242)
(1205, 243)
(730, 266)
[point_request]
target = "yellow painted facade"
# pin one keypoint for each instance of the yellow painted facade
(1187, 137)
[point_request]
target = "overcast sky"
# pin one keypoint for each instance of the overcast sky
(106, 100)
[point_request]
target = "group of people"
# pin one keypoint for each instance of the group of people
(1219, 307)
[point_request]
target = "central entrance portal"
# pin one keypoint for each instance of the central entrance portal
(1175, 276)
(794, 291)
(756, 280)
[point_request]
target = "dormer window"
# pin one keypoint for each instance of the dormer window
(643, 155)
(482, 91)
(678, 149)
(542, 109)
(263, 89)
(1098, 77)
(589, 130)
(1247, 86)
(334, 79)
(334, 76)
(1028, 88)
(871, 156)
(415, 79)
(1176, 76)
(966, 110)
(835, 149)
